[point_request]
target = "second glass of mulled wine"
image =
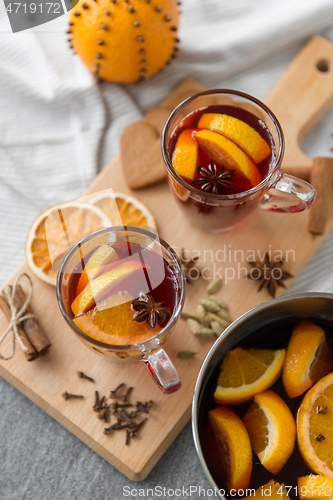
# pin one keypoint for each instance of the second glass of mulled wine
(223, 152)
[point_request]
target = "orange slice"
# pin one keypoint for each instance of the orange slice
(307, 359)
(314, 427)
(185, 155)
(271, 491)
(113, 324)
(103, 256)
(55, 231)
(124, 209)
(242, 134)
(226, 153)
(246, 372)
(234, 445)
(102, 285)
(272, 430)
(313, 486)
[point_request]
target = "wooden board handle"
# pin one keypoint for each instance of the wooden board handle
(321, 178)
(301, 97)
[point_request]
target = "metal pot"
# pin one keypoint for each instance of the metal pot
(266, 326)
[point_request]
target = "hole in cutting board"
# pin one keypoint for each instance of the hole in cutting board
(323, 65)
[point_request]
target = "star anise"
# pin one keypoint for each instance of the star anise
(271, 274)
(213, 180)
(146, 309)
(188, 265)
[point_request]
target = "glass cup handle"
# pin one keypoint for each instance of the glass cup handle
(162, 371)
(289, 195)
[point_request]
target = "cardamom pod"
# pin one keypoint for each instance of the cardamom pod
(185, 354)
(188, 315)
(200, 312)
(216, 317)
(214, 286)
(205, 333)
(225, 315)
(217, 327)
(210, 305)
(194, 325)
(219, 302)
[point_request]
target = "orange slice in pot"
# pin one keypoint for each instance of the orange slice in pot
(314, 427)
(272, 430)
(307, 360)
(246, 372)
(234, 445)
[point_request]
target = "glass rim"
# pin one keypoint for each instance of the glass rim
(199, 192)
(117, 347)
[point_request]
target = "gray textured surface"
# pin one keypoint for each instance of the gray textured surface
(40, 460)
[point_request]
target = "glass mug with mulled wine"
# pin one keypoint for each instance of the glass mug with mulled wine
(223, 151)
(121, 291)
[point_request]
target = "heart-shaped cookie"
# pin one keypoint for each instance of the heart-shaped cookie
(141, 155)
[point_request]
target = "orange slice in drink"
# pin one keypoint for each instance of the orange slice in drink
(234, 445)
(313, 486)
(114, 324)
(272, 430)
(242, 134)
(307, 360)
(224, 152)
(103, 256)
(314, 427)
(246, 372)
(53, 233)
(104, 284)
(185, 155)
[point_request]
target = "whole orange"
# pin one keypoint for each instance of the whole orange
(124, 41)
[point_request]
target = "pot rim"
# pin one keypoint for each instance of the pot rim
(211, 353)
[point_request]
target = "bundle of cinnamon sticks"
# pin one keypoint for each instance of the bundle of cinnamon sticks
(34, 341)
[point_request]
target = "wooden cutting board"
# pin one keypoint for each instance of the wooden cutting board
(44, 379)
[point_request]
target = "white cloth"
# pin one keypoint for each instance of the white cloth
(58, 127)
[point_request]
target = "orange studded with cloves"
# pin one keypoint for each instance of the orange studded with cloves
(124, 41)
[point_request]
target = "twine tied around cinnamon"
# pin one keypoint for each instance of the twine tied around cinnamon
(18, 315)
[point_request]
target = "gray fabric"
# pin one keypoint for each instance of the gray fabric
(57, 128)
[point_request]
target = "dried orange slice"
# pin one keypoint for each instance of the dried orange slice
(55, 231)
(314, 427)
(227, 153)
(185, 155)
(113, 323)
(313, 486)
(104, 284)
(234, 445)
(271, 491)
(307, 360)
(242, 134)
(246, 372)
(272, 430)
(124, 209)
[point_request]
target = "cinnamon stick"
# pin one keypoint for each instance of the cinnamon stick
(29, 351)
(30, 326)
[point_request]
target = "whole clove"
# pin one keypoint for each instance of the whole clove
(96, 405)
(114, 394)
(136, 429)
(66, 395)
(126, 395)
(82, 375)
